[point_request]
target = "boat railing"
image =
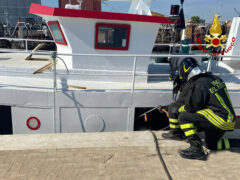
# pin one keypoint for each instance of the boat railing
(171, 45)
(25, 46)
(132, 74)
(134, 56)
(26, 42)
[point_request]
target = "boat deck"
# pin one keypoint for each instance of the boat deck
(115, 155)
(17, 73)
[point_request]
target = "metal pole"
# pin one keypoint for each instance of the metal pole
(209, 67)
(170, 49)
(134, 73)
(53, 56)
(26, 43)
(190, 50)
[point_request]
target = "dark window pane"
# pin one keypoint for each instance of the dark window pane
(113, 36)
(56, 33)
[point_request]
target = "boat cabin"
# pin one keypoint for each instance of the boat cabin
(77, 31)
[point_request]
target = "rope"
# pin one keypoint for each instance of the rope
(160, 156)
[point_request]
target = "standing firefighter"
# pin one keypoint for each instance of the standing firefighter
(206, 107)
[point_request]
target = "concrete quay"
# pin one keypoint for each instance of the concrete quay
(105, 156)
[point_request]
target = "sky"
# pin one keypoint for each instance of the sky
(53, 3)
(205, 9)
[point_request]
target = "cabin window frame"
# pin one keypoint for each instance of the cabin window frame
(60, 30)
(128, 26)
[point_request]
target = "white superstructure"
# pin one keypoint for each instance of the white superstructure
(99, 79)
(233, 43)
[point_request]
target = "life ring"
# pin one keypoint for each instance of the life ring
(29, 123)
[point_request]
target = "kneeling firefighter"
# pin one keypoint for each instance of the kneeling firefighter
(203, 105)
(178, 86)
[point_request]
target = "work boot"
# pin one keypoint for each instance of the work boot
(195, 151)
(174, 135)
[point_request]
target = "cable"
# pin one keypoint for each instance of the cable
(64, 64)
(160, 156)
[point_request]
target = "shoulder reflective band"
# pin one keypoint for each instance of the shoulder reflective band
(230, 116)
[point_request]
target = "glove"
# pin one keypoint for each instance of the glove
(164, 109)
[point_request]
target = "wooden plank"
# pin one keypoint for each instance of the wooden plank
(44, 68)
(39, 46)
(76, 87)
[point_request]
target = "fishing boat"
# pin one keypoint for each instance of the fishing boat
(99, 76)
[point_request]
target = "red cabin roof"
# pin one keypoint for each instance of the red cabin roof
(51, 11)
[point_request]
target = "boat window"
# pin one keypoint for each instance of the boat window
(112, 36)
(57, 32)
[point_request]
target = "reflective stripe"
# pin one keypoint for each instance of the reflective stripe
(230, 116)
(226, 142)
(211, 120)
(225, 89)
(190, 132)
(173, 120)
(216, 120)
(182, 109)
(219, 144)
(187, 126)
(174, 126)
(219, 119)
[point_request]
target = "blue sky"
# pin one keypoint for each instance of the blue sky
(205, 9)
(53, 3)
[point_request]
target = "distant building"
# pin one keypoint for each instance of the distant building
(165, 31)
(12, 10)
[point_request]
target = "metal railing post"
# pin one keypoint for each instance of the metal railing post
(190, 50)
(53, 56)
(26, 43)
(134, 73)
(170, 49)
(209, 65)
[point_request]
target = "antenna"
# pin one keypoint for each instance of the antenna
(236, 11)
(80, 2)
(182, 1)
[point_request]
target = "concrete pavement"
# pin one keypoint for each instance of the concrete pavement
(117, 155)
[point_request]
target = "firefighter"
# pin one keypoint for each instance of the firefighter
(207, 107)
(175, 132)
(179, 85)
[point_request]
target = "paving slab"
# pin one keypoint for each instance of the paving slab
(220, 165)
(122, 155)
(112, 155)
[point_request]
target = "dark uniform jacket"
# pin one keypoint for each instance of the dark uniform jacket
(207, 95)
(185, 88)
